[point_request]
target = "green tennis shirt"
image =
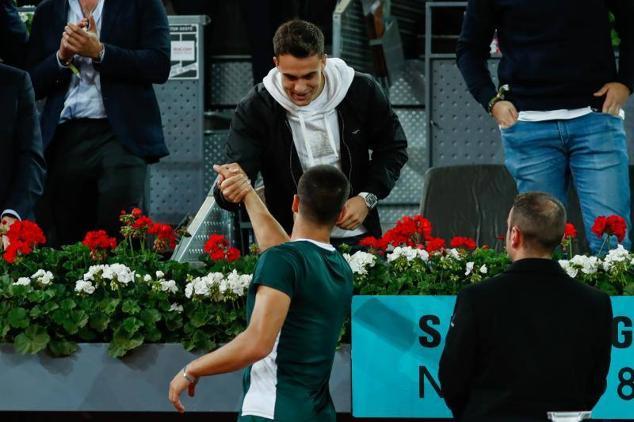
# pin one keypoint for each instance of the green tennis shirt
(291, 384)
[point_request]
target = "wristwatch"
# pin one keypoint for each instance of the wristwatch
(370, 199)
(498, 97)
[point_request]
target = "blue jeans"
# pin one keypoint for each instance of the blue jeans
(590, 150)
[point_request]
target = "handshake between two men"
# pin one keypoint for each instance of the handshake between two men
(235, 186)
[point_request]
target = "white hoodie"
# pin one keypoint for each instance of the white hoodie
(315, 126)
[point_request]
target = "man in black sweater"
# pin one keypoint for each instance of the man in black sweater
(559, 105)
(530, 340)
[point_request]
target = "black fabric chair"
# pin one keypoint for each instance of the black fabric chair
(474, 201)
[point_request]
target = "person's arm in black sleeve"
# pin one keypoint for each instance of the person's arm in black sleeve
(388, 145)
(598, 377)
(623, 11)
(28, 181)
(244, 144)
(150, 63)
(473, 50)
(457, 362)
(13, 34)
(44, 68)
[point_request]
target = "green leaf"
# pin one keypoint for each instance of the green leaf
(173, 321)
(4, 329)
(18, 318)
(36, 311)
(32, 340)
(109, 305)
(119, 345)
(61, 348)
(628, 290)
(87, 334)
(200, 316)
(67, 305)
(130, 306)
(131, 325)
(150, 316)
(99, 321)
(153, 335)
(198, 341)
(75, 321)
(49, 307)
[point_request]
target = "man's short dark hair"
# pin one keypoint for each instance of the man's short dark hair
(322, 191)
(299, 39)
(541, 218)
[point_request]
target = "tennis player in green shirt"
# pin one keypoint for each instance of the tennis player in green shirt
(296, 305)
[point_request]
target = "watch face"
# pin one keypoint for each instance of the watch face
(371, 200)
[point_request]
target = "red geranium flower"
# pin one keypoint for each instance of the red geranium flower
(463, 242)
(99, 239)
(409, 231)
(217, 248)
(434, 244)
(611, 225)
(23, 237)
(373, 243)
(165, 236)
(99, 243)
(570, 231)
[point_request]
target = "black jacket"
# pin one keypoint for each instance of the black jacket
(555, 54)
(526, 342)
(136, 37)
(260, 140)
(13, 35)
(22, 166)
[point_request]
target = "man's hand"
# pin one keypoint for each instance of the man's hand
(615, 96)
(355, 211)
(66, 52)
(84, 42)
(505, 114)
(5, 223)
(177, 385)
(232, 182)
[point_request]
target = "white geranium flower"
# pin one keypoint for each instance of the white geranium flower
(124, 274)
(201, 288)
(484, 269)
(587, 264)
(176, 308)
(453, 253)
(236, 283)
(23, 281)
(83, 286)
(618, 254)
(160, 274)
(569, 268)
(360, 261)
(408, 252)
(169, 286)
(189, 290)
(147, 278)
(93, 271)
(43, 277)
(469, 268)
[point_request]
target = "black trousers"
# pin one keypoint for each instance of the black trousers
(91, 178)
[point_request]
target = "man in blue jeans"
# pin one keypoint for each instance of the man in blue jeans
(559, 105)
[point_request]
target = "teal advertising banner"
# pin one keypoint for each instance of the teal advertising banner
(396, 346)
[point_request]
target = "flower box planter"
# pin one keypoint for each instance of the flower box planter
(92, 381)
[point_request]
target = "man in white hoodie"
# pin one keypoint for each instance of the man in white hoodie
(312, 110)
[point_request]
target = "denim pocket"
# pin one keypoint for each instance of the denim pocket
(509, 128)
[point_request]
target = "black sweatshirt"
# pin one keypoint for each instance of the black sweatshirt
(555, 53)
